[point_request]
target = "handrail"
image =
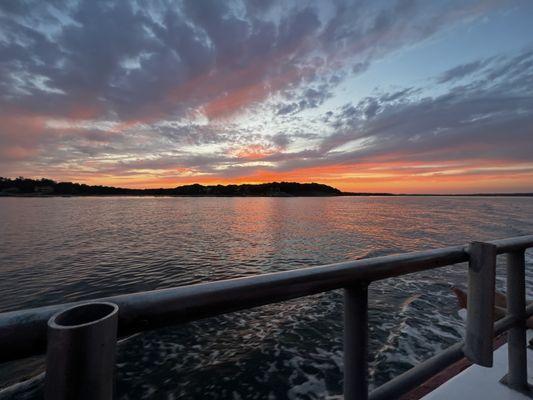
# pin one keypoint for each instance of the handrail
(433, 365)
(23, 333)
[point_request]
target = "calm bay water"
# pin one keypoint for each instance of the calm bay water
(62, 249)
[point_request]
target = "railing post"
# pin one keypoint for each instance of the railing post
(516, 337)
(480, 303)
(80, 354)
(356, 342)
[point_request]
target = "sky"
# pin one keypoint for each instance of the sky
(393, 96)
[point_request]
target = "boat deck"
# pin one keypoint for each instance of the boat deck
(477, 382)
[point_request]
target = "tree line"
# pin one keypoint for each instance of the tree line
(27, 186)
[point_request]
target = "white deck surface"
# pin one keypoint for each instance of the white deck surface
(478, 382)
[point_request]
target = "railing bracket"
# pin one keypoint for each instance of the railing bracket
(526, 391)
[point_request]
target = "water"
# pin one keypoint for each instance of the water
(56, 250)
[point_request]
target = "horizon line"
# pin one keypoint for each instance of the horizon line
(342, 192)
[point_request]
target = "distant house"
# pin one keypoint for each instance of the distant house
(11, 190)
(45, 189)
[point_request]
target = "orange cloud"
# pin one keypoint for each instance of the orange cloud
(229, 103)
(253, 152)
(223, 92)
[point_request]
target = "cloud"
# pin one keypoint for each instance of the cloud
(232, 88)
(461, 71)
(128, 60)
(482, 121)
(281, 140)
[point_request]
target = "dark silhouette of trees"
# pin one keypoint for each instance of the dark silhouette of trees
(25, 186)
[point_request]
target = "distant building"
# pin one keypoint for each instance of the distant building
(44, 189)
(11, 190)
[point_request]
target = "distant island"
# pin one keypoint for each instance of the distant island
(47, 187)
(25, 187)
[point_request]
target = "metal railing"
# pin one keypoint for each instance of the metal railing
(26, 333)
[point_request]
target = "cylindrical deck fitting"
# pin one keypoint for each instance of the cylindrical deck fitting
(80, 354)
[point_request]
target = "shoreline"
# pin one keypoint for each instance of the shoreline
(26, 187)
(31, 195)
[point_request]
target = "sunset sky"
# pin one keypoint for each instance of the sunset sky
(398, 96)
